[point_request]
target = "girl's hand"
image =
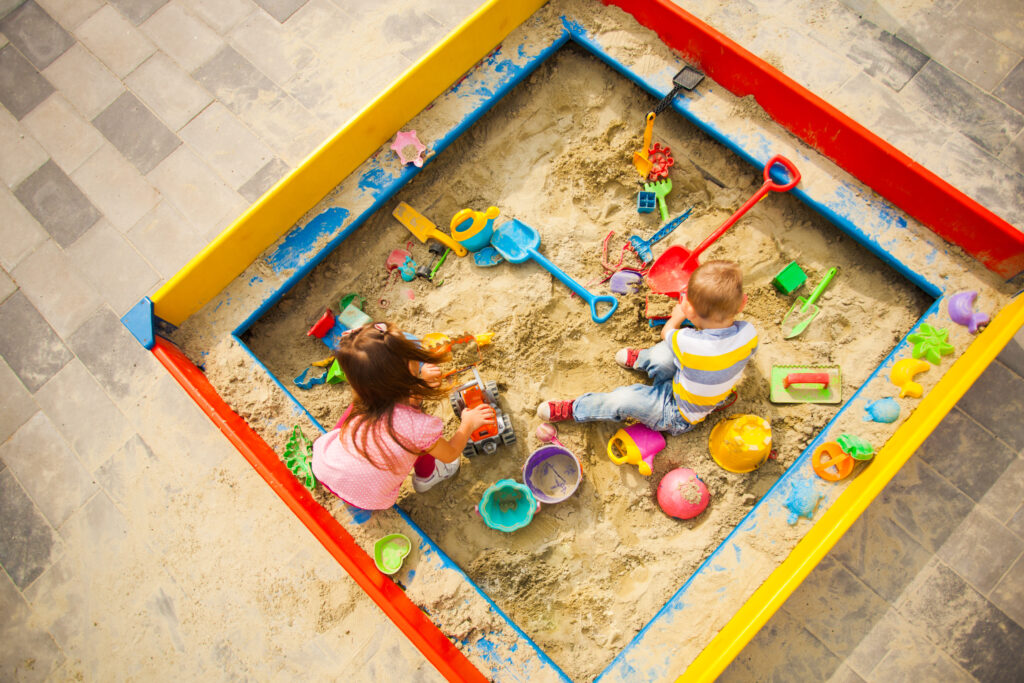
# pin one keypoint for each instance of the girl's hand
(475, 418)
(431, 374)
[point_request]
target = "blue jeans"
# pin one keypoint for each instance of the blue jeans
(653, 405)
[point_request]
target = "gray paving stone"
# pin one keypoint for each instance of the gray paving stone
(113, 266)
(187, 39)
(138, 11)
(29, 544)
(997, 188)
(89, 595)
(959, 103)
(75, 403)
(55, 288)
(196, 191)
(985, 402)
(807, 658)
(1012, 355)
(62, 132)
(981, 550)
(131, 468)
(136, 132)
(880, 553)
(892, 633)
(838, 624)
(226, 145)
(1000, 19)
(70, 13)
(1011, 89)
(83, 81)
(965, 454)
(220, 15)
(113, 39)
(280, 9)
(16, 404)
(845, 674)
(924, 504)
(166, 239)
(1007, 494)
(290, 129)
(977, 635)
(275, 49)
(36, 34)
(48, 469)
(29, 344)
(263, 180)
(28, 652)
(884, 56)
(924, 664)
(236, 82)
(57, 203)
(1016, 522)
(20, 233)
(22, 154)
(1008, 592)
(177, 431)
(956, 45)
(116, 187)
(170, 92)
(114, 358)
(21, 85)
(7, 286)
(449, 14)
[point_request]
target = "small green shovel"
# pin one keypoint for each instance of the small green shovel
(803, 310)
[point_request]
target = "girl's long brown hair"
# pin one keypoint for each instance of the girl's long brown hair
(376, 365)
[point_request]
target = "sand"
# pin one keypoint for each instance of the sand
(589, 572)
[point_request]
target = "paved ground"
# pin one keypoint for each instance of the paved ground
(133, 131)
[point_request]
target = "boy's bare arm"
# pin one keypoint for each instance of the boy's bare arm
(675, 321)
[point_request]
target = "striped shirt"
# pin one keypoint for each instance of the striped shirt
(708, 365)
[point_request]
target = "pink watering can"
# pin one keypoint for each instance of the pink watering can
(637, 445)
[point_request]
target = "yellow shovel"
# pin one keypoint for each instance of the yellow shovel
(422, 228)
(642, 159)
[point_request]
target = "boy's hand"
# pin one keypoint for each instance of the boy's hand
(475, 418)
(431, 374)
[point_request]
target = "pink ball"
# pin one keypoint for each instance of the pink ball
(547, 432)
(682, 494)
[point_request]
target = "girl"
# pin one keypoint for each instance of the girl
(383, 434)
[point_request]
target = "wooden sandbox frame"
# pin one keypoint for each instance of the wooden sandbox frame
(917, 192)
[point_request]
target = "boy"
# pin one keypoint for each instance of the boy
(694, 370)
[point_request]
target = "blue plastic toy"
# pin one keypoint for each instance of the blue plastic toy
(646, 202)
(883, 410)
(507, 505)
(802, 502)
(303, 381)
(408, 269)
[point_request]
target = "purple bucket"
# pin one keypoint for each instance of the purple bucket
(552, 473)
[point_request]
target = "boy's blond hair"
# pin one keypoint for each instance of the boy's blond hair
(716, 290)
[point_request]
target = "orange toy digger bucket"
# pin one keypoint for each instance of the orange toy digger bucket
(671, 271)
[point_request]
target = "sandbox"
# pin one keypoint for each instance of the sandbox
(647, 598)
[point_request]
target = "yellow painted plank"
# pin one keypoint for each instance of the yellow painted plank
(855, 499)
(277, 211)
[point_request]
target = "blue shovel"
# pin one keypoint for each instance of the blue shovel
(643, 247)
(517, 242)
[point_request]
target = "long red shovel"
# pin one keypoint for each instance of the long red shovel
(671, 271)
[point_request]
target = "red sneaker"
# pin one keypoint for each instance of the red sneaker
(627, 357)
(555, 411)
